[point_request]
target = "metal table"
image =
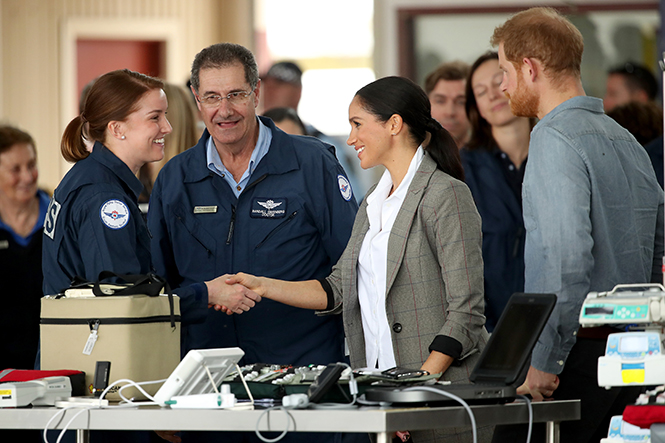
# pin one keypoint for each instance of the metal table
(381, 421)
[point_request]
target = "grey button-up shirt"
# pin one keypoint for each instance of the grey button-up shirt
(593, 212)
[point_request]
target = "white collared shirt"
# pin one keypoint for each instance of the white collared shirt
(372, 264)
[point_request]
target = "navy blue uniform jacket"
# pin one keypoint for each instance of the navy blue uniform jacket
(291, 222)
(93, 223)
(503, 230)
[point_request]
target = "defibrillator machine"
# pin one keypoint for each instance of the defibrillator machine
(633, 357)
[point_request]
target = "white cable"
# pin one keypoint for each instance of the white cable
(530, 408)
(62, 411)
(128, 403)
(472, 418)
(284, 432)
(64, 429)
(131, 383)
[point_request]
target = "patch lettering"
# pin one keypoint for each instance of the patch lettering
(268, 208)
(51, 218)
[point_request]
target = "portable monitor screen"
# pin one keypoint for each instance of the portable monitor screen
(513, 338)
(193, 375)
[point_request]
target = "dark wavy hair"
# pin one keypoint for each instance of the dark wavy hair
(481, 130)
(388, 96)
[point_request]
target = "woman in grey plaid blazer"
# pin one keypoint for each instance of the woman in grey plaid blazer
(430, 313)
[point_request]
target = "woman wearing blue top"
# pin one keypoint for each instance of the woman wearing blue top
(93, 221)
(22, 210)
(494, 162)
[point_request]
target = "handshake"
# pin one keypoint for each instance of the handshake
(233, 294)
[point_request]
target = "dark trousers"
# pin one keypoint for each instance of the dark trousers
(579, 380)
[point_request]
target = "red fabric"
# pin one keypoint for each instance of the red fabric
(644, 415)
(26, 374)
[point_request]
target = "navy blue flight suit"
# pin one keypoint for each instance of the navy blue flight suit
(93, 224)
(292, 222)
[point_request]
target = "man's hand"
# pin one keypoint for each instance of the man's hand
(539, 384)
(230, 298)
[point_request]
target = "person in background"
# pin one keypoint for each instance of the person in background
(629, 82)
(409, 285)
(445, 87)
(22, 212)
(282, 88)
(593, 213)
(643, 120)
(183, 117)
(249, 197)
(287, 120)
(494, 160)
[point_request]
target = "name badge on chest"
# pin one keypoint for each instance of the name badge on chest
(268, 208)
(205, 209)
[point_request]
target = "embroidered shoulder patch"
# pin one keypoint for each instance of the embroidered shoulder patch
(344, 187)
(114, 214)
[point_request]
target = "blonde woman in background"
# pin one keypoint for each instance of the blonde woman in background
(183, 117)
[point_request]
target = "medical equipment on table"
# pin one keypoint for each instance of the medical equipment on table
(634, 357)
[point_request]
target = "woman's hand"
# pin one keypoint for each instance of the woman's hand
(437, 363)
(230, 298)
(249, 281)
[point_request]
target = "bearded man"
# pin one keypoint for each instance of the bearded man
(592, 207)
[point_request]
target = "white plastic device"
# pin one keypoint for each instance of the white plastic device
(199, 373)
(622, 432)
(222, 400)
(40, 392)
(632, 358)
(625, 304)
(81, 402)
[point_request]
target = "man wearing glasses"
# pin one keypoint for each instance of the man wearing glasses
(249, 197)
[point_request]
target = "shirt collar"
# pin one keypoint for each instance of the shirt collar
(580, 102)
(262, 147)
(386, 182)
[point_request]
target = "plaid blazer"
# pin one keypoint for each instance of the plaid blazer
(434, 274)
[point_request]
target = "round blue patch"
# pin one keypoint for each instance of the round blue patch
(344, 187)
(114, 214)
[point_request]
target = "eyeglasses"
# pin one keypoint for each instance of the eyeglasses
(234, 98)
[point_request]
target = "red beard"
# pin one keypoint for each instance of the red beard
(524, 102)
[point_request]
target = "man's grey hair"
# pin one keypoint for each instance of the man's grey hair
(221, 55)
